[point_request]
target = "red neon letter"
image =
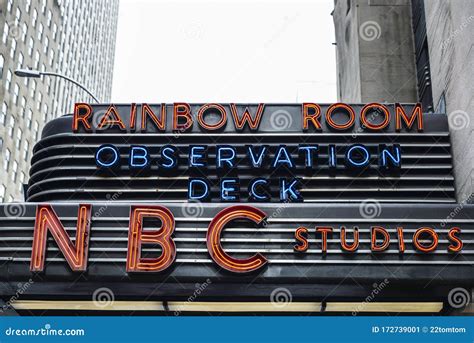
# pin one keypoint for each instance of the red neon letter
(333, 124)
(237, 265)
(430, 232)
(401, 240)
(46, 219)
(457, 244)
(301, 235)
(416, 114)
(115, 120)
(366, 123)
(162, 236)
(253, 123)
(182, 110)
(148, 112)
(313, 118)
(324, 236)
(219, 124)
(355, 243)
(78, 116)
(374, 246)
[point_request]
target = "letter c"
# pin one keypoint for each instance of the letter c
(236, 265)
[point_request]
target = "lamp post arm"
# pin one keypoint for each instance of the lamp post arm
(47, 73)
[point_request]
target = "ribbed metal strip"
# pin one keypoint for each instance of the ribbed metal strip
(63, 167)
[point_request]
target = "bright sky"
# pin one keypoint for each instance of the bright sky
(225, 51)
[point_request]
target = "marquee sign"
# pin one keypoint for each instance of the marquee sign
(238, 192)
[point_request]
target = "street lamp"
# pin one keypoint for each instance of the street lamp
(37, 74)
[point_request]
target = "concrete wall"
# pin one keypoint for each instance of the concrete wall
(375, 51)
(450, 32)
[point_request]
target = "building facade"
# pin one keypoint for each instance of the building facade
(73, 38)
(413, 50)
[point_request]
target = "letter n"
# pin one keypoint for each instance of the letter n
(47, 219)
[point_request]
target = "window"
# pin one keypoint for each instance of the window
(34, 18)
(55, 31)
(24, 32)
(3, 114)
(45, 111)
(22, 181)
(30, 46)
(6, 28)
(13, 48)
(19, 136)
(45, 45)
(36, 130)
(21, 58)
(11, 126)
(23, 106)
(14, 171)
(29, 118)
(50, 16)
(40, 32)
(2, 193)
(33, 88)
(17, 16)
(2, 63)
(8, 80)
(37, 58)
(9, 5)
(43, 6)
(39, 99)
(26, 150)
(27, 6)
(51, 58)
(8, 155)
(16, 90)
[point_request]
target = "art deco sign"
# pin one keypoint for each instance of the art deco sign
(237, 159)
